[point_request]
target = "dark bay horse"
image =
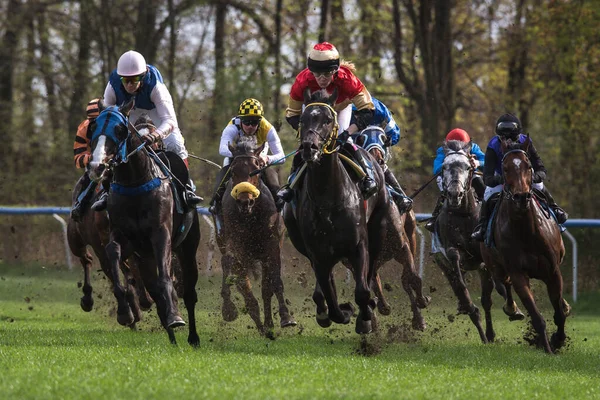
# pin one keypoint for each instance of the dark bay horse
(527, 243)
(400, 241)
(252, 233)
(329, 221)
(145, 219)
(458, 252)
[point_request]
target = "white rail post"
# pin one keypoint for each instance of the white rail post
(574, 243)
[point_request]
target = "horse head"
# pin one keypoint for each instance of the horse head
(246, 159)
(109, 138)
(457, 171)
(517, 172)
(318, 125)
(374, 140)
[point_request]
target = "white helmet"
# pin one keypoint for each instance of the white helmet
(131, 63)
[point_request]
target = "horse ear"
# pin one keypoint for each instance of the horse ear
(333, 97)
(260, 149)
(306, 95)
(125, 109)
(231, 148)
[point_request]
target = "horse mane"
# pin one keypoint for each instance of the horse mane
(320, 96)
(455, 145)
(244, 145)
(143, 119)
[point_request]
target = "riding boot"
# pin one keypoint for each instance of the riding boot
(430, 225)
(191, 198)
(271, 180)
(561, 215)
(286, 193)
(86, 187)
(478, 185)
(486, 207)
(368, 186)
(100, 204)
(403, 202)
(221, 183)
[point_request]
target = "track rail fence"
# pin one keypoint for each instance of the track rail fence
(56, 212)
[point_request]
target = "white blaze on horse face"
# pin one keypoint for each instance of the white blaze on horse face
(517, 162)
(98, 157)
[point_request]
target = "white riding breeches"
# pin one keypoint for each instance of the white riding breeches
(175, 143)
(490, 190)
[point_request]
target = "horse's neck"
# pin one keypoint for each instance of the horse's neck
(137, 170)
(326, 178)
(521, 223)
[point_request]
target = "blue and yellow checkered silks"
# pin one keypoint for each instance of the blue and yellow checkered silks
(250, 108)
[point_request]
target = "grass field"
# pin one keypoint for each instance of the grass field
(49, 348)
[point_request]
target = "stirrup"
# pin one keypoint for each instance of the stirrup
(368, 187)
(286, 194)
(404, 204)
(430, 225)
(192, 198)
(478, 232)
(561, 215)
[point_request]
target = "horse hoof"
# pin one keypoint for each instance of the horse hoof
(288, 322)
(557, 341)
(423, 301)
(418, 324)
(566, 308)
(86, 304)
(323, 320)
(518, 316)
(348, 307)
(177, 321)
(363, 327)
(229, 313)
(384, 309)
(194, 340)
(125, 319)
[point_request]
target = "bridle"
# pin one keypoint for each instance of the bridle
(472, 168)
(507, 193)
(329, 141)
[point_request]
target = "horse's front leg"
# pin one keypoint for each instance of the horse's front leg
(521, 285)
(487, 287)
(245, 289)
(362, 293)
(272, 269)
(87, 300)
(115, 253)
(413, 286)
(166, 304)
(228, 309)
(554, 285)
(510, 308)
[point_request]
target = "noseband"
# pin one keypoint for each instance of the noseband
(330, 139)
(507, 193)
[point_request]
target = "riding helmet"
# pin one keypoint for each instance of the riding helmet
(508, 126)
(323, 57)
(458, 134)
(131, 63)
(250, 108)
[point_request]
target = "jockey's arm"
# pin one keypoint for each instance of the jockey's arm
(293, 111)
(229, 135)
(479, 156)
(489, 177)
(81, 147)
(163, 102)
(110, 97)
(364, 111)
(439, 160)
(275, 145)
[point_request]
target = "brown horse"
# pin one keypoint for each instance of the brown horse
(458, 252)
(527, 244)
(147, 217)
(252, 233)
(400, 241)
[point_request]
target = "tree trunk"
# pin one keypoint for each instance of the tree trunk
(82, 76)
(146, 41)
(220, 81)
(277, 55)
(323, 22)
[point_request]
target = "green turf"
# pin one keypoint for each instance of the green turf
(49, 348)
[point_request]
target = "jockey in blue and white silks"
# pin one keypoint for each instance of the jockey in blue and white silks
(133, 78)
(509, 126)
(383, 118)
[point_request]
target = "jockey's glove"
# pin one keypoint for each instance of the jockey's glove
(539, 176)
(343, 137)
(151, 138)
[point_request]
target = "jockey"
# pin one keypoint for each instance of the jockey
(508, 127)
(82, 152)
(476, 181)
(383, 118)
(250, 122)
(135, 79)
(324, 71)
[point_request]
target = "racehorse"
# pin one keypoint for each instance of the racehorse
(252, 233)
(401, 240)
(146, 218)
(92, 230)
(527, 243)
(458, 252)
(329, 221)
